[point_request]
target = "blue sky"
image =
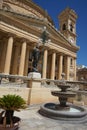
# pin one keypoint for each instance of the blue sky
(54, 7)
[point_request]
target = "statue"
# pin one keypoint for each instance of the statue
(35, 56)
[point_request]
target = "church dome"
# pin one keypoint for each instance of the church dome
(25, 7)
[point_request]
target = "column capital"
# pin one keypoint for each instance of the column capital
(11, 35)
(52, 51)
(45, 47)
(23, 40)
(60, 54)
(67, 56)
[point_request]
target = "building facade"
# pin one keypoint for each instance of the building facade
(21, 26)
(82, 74)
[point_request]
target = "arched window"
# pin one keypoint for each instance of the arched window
(71, 27)
(64, 27)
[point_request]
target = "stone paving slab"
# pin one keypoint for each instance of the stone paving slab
(32, 120)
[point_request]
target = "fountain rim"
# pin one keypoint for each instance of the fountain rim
(60, 94)
(63, 85)
(63, 114)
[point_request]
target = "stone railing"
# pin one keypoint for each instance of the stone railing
(76, 85)
(16, 83)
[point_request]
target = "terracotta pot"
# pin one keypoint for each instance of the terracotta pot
(16, 121)
(9, 128)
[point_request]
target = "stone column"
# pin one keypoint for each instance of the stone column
(67, 67)
(3, 56)
(60, 66)
(49, 66)
(15, 60)
(8, 55)
(44, 69)
(74, 68)
(22, 59)
(53, 65)
(26, 62)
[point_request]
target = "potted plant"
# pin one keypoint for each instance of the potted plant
(9, 104)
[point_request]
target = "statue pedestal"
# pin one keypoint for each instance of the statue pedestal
(38, 93)
(34, 84)
(34, 75)
(35, 80)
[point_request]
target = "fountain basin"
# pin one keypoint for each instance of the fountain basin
(63, 94)
(76, 114)
(63, 87)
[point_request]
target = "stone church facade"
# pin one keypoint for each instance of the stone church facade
(21, 26)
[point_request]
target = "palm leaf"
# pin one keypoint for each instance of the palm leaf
(12, 102)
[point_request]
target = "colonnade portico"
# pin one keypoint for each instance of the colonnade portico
(61, 67)
(14, 55)
(17, 60)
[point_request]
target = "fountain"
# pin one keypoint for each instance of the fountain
(64, 110)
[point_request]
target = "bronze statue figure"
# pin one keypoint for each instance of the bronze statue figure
(35, 56)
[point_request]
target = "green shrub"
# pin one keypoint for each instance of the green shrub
(12, 102)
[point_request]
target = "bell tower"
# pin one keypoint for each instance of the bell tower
(67, 24)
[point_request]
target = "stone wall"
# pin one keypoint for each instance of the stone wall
(34, 95)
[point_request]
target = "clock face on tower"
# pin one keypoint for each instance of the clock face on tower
(71, 39)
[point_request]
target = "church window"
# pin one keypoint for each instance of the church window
(64, 26)
(71, 27)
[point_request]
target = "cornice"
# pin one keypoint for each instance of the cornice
(34, 38)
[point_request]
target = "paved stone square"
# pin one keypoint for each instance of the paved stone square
(32, 120)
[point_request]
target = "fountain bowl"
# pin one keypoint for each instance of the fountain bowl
(77, 114)
(63, 87)
(63, 94)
